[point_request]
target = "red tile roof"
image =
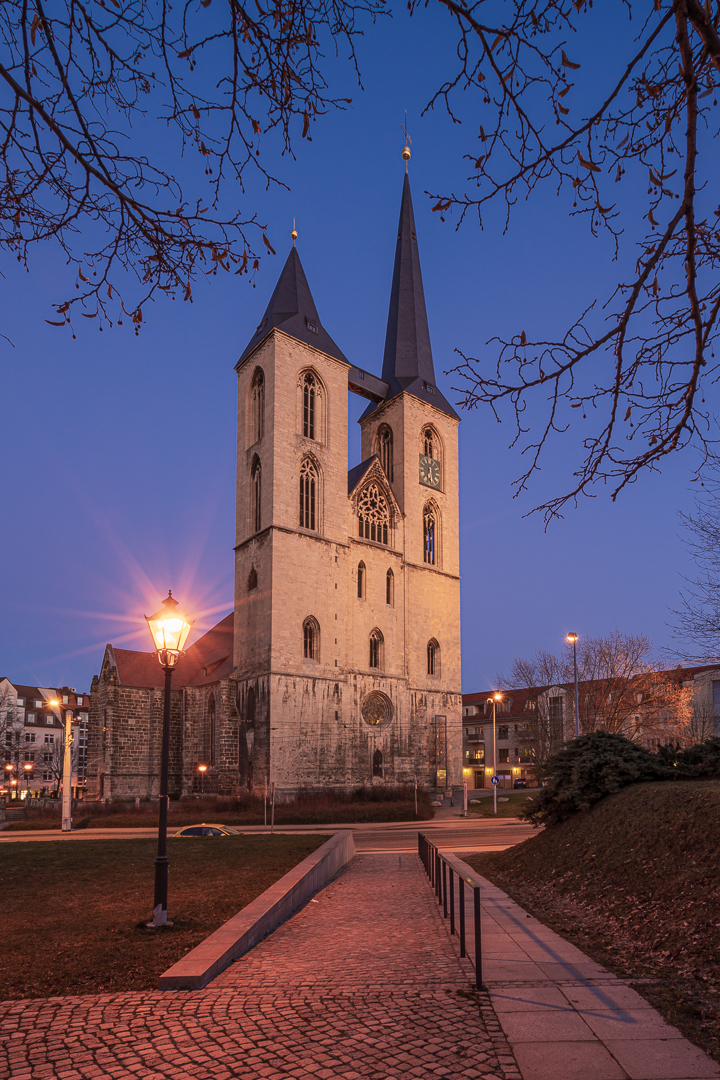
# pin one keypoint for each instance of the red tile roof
(208, 659)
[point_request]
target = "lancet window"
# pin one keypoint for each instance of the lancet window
(376, 649)
(361, 580)
(385, 450)
(258, 404)
(308, 495)
(255, 495)
(430, 442)
(309, 405)
(433, 657)
(311, 639)
(430, 535)
(373, 515)
(390, 588)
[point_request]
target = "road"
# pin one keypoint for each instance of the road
(454, 834)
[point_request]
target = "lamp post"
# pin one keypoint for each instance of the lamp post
(67, 768)
(9, 768)
(202, 769)
(572, 638)
(169, 632)
(28, 769)
(494, 700)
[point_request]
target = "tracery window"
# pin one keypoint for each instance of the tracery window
(433, 657)
(255, 495)
(309, 402)
(361, 577)
(430, 535)
(308, 495)
(390, 588)
(311, 639)
(258, 404)
(430, 442)
(376, 649)
(373, 515)
(385, 450)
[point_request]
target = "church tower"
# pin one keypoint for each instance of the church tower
(347, 609)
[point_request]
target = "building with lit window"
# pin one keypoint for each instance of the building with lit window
(32, 734)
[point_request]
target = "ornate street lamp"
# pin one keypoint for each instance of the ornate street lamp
(169, 632)
(28, 769)
(202, 769)
(572, 639)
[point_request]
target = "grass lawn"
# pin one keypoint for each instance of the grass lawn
(633, 883)
(515, 800)
(74, 913)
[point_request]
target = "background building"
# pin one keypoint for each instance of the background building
(32, 732)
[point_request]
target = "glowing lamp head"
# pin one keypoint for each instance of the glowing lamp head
(9, 768)
(169, 631)
(27, 767)
(53, 703)
(571, 638)
(202, 768)
(498, 697)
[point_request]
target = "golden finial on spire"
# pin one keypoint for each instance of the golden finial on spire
(405, 153)
(294, 233)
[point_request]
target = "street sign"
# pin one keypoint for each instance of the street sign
(495, 780)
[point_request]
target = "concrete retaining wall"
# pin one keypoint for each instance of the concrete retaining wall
(261, 917)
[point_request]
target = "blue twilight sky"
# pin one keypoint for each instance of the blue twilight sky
(118, 452)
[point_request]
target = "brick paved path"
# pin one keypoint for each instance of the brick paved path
(363, 982)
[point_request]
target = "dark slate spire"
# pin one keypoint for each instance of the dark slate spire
(407, 361)
(292, 310)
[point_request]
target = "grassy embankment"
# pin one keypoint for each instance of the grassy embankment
(74, 913)
(365, 805)
(634, 883)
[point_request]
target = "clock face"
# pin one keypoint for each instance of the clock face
(429, 471)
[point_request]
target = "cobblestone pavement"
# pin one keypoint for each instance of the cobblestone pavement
(363, 982)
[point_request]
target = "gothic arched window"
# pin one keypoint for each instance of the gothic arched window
(258, 404)
(430, 535)
(250, 706)
(373, 515)
(311, 639)
(377, 763)
(212, 727)
(362, 574)
(308, 495)
(429, 441)
(252, 579)
(385, 450)
(390, 588)
(255, 495)
(309, 402)
(433, 657)
(376, 649)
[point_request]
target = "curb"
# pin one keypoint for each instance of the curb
(239, 934)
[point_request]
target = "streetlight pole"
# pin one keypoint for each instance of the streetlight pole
(494, 699)
(169, 633)
(67, 769)
(28, 769)
(9, 768)
(573, 638)
(202, 769)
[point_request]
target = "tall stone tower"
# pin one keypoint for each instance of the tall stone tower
(347, 601)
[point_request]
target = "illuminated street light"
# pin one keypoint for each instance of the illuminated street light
(28, 769)
(497, 696)
(169, 631)
(202, 769)
(572, 639)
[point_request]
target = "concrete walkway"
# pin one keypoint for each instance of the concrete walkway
(565, 1016)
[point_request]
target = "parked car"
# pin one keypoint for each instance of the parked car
(208, 830)
(520, 784)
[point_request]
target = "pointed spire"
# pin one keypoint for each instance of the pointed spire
(292, 310)
(407, 361)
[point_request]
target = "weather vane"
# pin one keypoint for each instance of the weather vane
(405, 152)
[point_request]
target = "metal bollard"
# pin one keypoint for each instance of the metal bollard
(444, 888)
(452, 902)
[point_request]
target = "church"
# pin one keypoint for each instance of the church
(340, 664)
